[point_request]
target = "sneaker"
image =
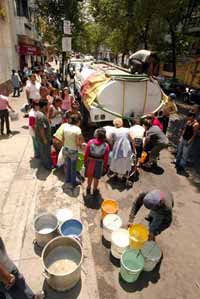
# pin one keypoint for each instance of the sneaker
(183, 172)
(40, 295)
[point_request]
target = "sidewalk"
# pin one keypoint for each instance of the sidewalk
(27, 190)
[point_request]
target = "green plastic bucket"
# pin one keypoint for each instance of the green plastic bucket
(80, 162)
(132, 264)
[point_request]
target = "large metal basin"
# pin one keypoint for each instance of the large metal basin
(46, 228)
(55, 250)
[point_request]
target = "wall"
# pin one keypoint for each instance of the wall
(8, 38)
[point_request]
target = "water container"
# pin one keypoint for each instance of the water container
(132, 264)
(111, 223)
(109, 206)
(72, 227)
(152, 255)
(119, 242)
(64, 215)
(138, 235)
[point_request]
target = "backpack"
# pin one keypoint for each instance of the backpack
(97, 151)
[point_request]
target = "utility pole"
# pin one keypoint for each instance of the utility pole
(67, 8)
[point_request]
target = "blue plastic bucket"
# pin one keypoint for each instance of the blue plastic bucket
(72, 227)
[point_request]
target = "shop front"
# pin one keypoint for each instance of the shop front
(30, 52)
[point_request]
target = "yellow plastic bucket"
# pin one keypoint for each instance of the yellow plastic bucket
(109, 206)
(138, 235)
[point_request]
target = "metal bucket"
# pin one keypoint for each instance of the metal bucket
(58, 250)
(45, 226)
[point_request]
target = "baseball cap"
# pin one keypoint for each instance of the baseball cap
(172, 96)
(153, 199)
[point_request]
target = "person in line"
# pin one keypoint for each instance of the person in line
(137, 134)
(32, 116)
(4, 114)
(12, 282)
(155, 121)
(160, 205)
(16, 83)
(155, 141)
(121, 162)
(168, 109)
(43, 134)
(32, 89)
(55, 115)
(96, 160)
(187, 138)
(66, 100)
(71, 137)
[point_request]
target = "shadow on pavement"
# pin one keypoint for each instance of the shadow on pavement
(59, 172)
(9, 136)
(42, 173)
(34, 163)
(91, 202)
(114, 261)
(155, 170)
(25, 127)
(143, 281)
(71, 192)
(37, 248)
(71, 294)
(105, 243)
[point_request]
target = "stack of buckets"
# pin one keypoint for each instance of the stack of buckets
(131, 246)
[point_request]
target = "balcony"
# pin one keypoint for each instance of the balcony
(24, 27)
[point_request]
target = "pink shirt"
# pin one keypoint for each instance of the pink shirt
(67, 103)
(3, 102)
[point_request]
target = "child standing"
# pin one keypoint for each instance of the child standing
(31, 120)
(96, 160)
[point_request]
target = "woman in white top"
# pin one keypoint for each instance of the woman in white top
(55, 115)
(122, 151)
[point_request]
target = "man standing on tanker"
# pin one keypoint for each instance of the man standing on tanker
(160, 205)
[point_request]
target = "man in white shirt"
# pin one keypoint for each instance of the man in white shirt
(137, 134)
(33, 89)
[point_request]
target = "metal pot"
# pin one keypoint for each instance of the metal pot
(61, 282)
(46, 228)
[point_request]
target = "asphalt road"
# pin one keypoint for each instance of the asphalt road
(178, 275)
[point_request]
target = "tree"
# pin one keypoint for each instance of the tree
(176, 14)
(53, 12)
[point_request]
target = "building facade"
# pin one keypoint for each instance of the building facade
(20, 43)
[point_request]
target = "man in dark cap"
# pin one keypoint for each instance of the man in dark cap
(160, 205)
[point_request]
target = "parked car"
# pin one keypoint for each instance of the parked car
(173, 85)
(192, 96)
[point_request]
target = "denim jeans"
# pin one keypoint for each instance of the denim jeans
(182, 153)
(45, 155)
(19, 291)
(71, 157)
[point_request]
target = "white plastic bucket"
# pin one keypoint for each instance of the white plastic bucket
(111, 223)
(152, 255)
(119, 242)
(64, 215)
